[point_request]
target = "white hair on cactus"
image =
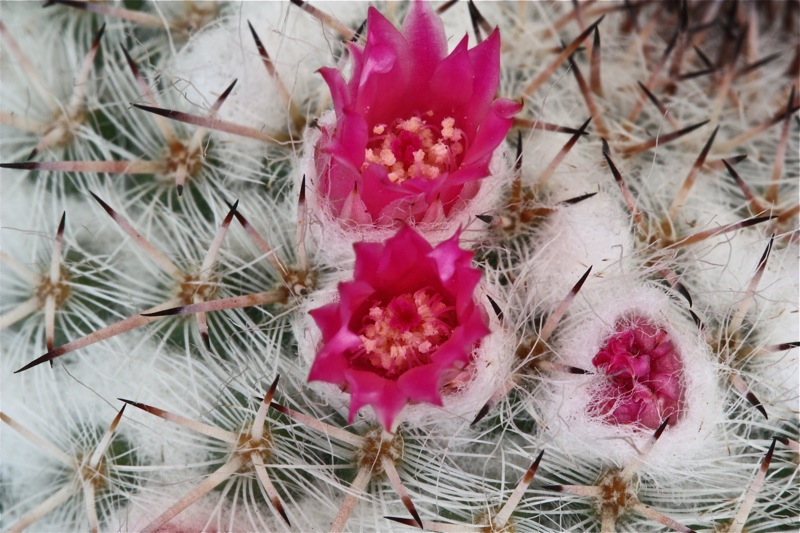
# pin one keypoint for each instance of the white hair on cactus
(593, 233)
(222, 162)
(565, 403)
(225, 51)
(580, 171)
(457, 19)
(772, 320)
(723, 269)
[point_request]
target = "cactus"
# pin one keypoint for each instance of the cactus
(592, 326)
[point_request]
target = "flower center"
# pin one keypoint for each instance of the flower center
(644, 376)
(406, 332)
(413, 148)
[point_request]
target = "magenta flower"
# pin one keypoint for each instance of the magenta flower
(415, 128)
(403, 327)
(644, 372)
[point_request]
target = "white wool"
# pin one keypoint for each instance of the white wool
(774, 377)
(593, 233)
(212, 61)
(16, 221)
(724, 268)
(580, 172)
(563, 403)
(334, 243)
(489, 370)
(226, 51)
(774, 312)
(55, 60)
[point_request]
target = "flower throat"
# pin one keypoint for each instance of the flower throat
(406, 332)
(412, 148)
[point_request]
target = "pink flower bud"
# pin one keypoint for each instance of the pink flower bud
(644, 376)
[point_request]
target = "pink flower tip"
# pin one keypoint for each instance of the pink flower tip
(644, 376)
(403, 327)
(414, 126)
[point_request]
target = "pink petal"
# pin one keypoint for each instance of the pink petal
(473, 327)
(462, 286)
(382, 59)
(427, 43)
(327, 319)
(410, 206)
(380, 31)
(354, 209)
(378, 192)
(435, 213)
(367, 388)
(357, 59)
(352, 295)
(457, 180)
(421, 384)
(451, 87)
(384, 78)
(492, 130)
(668, 386)
(485, 60)
(448, 256)
(350, 143)
(368, 257)
(339, 93)
(404, 267)
(333, 184)
(330, 363)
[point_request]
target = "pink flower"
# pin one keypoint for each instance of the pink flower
(415, 128)
(644, 372)
(403, 327)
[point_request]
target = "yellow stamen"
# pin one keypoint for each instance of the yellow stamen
(412, 148)
(405, 332)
